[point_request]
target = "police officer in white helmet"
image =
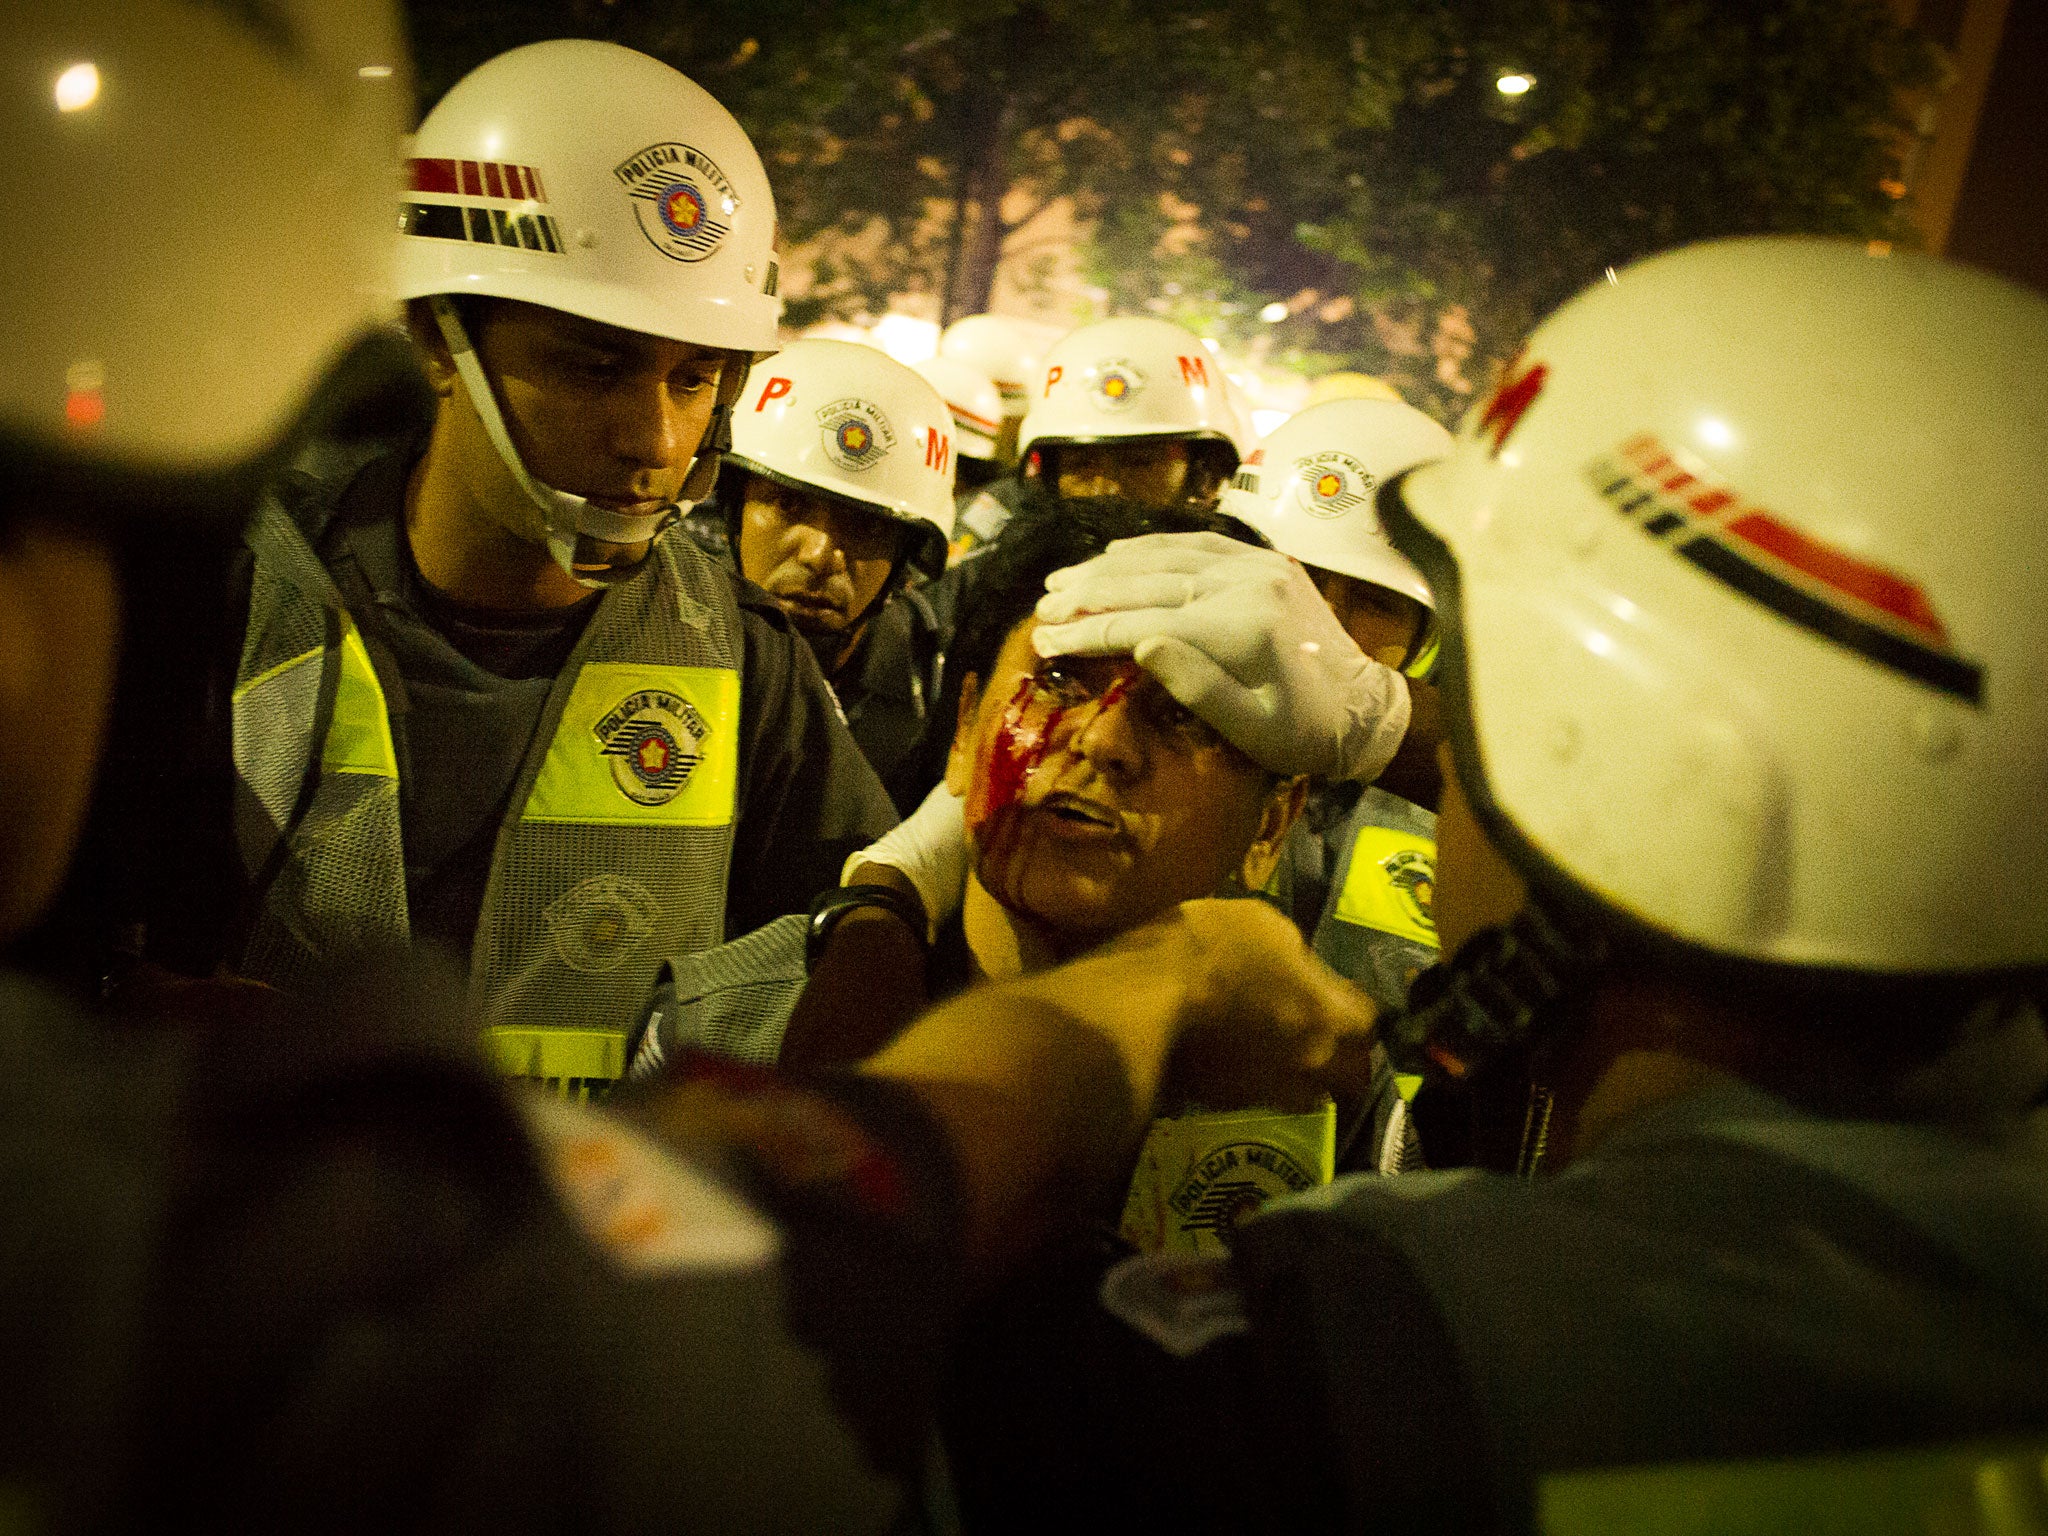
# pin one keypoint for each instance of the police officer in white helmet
(310, 1263)
(837, 499)
(1135, 407)
(489, 696)
(1739, 892)
(1361, 876)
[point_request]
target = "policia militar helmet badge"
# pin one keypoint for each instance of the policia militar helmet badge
(1117, 384)
(1333, 483)
(683, 201)
(654, 740)
(857, 436)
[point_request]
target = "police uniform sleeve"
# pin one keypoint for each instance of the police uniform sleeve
(807, 797)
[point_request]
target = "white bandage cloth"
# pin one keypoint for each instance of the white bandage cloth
(929, 849)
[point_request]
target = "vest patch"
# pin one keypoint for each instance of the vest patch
(597, 924)
(640, 744)
(655, 741)
(1391, 885)
(1200, 1176)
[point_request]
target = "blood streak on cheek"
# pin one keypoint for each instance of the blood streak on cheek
(1015, 749)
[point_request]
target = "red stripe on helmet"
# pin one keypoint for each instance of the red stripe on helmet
(494, 181)
(432, 175)
(1871, 585)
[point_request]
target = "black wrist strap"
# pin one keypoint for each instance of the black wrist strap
(834, 904)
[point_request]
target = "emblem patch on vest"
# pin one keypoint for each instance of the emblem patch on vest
(654, 740)
(682, 199)
(1233, 1181)
(597, 924)
(1412, 873)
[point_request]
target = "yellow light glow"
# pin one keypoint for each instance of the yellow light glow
(1514, 85)
(1274, 312)
(78, 87)
(375, 72)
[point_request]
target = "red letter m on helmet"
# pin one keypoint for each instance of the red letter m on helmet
(1195, 370)
(1517, 392)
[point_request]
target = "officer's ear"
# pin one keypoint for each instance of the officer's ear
(960, 757)
(1283, 808)
(426, 336)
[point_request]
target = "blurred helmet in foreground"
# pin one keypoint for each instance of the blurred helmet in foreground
(1744, 622)
(199, 204)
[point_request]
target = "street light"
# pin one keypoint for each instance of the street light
(1274, 312)
(77, 88)
(1515, 84)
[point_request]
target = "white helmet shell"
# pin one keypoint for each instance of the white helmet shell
(592, 179)
(1132, 377)
(1348, 385)
(145, 337)
(1000, 348)
(1743, 555)
(976, 403)
(851, 421)
(1309, 489)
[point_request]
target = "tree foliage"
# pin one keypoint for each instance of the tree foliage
(1351, 159)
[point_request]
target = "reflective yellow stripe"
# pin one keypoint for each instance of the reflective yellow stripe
(359, 739)
(1425, 664)
(558, 1053)
(1406, 1084)
(582, 782)
(242, 691)
(1391, 885)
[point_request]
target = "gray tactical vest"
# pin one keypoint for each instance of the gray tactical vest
(618, 836)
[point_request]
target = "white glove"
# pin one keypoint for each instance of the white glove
(1240, 636)
(929, 849)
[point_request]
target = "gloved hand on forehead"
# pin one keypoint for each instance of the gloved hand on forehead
(1240, 636)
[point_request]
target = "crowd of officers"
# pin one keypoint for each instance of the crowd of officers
(1654, 903)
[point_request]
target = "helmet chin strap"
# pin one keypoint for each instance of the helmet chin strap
(566, 519)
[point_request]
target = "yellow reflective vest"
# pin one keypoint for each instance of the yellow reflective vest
(617, 841)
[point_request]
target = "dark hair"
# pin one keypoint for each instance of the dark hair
(1049, 533)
